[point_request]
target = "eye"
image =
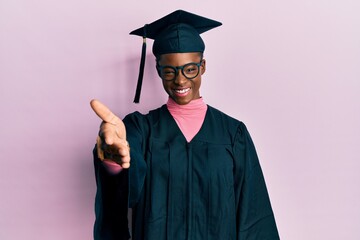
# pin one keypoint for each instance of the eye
(190, 69)
(168, 71)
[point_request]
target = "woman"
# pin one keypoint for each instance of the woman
(187, 170)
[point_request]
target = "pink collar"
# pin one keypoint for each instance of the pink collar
(194, 107)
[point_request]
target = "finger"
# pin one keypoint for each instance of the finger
(123, 161)
(125, 165)
(109, 136)
(118, 147)
(125, 156)
(122, 148)
(118, 152)
(103, 112)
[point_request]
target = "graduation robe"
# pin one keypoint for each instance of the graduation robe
(210, 188)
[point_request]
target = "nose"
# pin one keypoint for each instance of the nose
(180, 78)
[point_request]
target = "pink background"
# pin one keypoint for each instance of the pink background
(289, 69)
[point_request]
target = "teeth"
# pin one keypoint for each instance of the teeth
(182, 90)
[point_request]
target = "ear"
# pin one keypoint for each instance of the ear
(203, 66)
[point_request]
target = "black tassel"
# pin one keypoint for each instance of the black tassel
(141, 71)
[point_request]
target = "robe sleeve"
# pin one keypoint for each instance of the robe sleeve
(111, 203)
(254, 215)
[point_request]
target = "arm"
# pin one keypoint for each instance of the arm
(112, 152)
(111, 203)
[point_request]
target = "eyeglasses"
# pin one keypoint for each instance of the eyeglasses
(189, 70)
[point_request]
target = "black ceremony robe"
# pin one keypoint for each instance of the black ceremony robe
(211, 188)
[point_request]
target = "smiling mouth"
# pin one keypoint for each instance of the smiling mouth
(182, 91)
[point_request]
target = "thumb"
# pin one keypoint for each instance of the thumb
(104, 112)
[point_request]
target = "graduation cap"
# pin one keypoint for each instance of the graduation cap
(177, 32)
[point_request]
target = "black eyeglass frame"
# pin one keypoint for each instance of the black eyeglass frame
(176, 69)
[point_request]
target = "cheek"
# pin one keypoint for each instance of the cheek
(197, 84)
(166, 86)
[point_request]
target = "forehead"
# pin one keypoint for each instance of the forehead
(178, 59)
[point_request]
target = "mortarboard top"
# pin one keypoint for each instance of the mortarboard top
(177, 32)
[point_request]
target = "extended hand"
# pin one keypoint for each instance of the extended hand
(112, 134)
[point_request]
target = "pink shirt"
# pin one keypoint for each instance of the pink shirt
(189, 119)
